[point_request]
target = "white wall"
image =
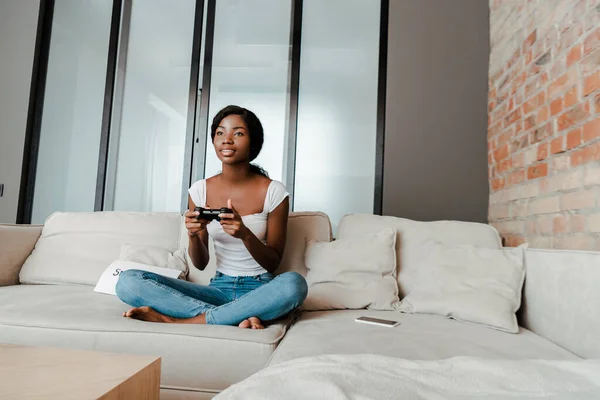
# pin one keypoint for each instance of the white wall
(18, 28)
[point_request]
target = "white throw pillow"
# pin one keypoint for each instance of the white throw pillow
(413, 234)
(146, 258)
(109, 278)
(469, 283)
(155, 256)
(353, 273)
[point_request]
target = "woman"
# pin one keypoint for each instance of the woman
(249, 243)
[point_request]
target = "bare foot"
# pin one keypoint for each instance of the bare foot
(146, 313)
(252, 322)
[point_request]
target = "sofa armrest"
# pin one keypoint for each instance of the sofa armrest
(16, 244)
(561, 299)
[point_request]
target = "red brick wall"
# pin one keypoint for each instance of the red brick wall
(544, 122)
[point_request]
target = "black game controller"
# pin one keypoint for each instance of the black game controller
(210, 214)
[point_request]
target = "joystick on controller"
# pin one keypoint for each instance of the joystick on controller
(211, 214)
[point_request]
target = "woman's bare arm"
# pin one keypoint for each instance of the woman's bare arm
(198, 247)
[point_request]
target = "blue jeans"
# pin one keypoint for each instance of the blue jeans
(227, 300)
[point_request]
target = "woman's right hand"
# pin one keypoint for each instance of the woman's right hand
(193, 225)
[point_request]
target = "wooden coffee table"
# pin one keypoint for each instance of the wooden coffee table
(48, 373)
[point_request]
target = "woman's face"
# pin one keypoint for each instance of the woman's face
(232, 140)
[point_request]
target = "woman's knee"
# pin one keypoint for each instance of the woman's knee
(294, 285)
(127, 284)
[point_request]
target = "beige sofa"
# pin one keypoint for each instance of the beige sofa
(47, 299)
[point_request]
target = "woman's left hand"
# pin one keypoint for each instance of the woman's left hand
(232, 223)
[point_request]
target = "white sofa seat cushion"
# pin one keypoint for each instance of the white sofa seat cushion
(412, 234)
(76, 248)
(418, 337)
(196, 357)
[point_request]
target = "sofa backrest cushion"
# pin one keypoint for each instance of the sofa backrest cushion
(561, 299)
(411, 234)
(302, 226)
(75, 248)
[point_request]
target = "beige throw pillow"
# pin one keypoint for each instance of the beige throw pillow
(469, 283)
(353, 273)
(155, 256)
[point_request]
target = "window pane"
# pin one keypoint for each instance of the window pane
(73, 104)
(151, 138)
(337, 108)
(251, 64)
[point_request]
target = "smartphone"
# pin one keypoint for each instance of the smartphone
(377, 321)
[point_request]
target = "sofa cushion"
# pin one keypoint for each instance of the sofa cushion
(418, 337)
(411, 234)
(155, 256)
(352, 273)
(77, 247)
(471, 284)
(561, 298)
(302, 226)
(197, 357)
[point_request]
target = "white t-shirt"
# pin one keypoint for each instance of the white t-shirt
(233, 258)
